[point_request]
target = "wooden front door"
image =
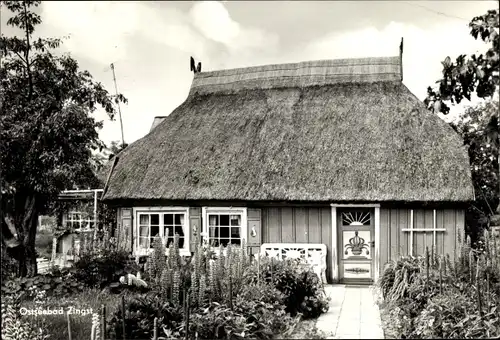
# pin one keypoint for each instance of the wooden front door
(356, 245)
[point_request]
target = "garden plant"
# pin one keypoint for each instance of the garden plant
(438, 296)
(217, 293)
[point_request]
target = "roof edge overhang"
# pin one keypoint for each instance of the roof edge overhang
(199, 202)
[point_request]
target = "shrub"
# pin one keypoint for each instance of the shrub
(218, 321)
(303, 290)
(257, 313)
(454, 316)
(265, 311)
(99, 269)
(398, 277)
(444, 298)
(139, 321)
(63, 285)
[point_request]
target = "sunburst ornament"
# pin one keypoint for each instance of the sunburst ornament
(356, 218)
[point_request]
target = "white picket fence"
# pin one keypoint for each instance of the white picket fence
(43, 265)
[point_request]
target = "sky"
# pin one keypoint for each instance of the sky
(150, 42)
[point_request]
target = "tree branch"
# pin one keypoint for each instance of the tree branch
(28, 47)
(21, 57)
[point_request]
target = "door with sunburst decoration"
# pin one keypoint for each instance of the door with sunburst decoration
(356, 245)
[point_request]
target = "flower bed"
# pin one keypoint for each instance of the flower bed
(220, 296)
(437, 297)
(227, 295)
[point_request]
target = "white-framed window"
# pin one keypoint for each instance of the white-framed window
(224, 225)
(79, 220)
(164, 222)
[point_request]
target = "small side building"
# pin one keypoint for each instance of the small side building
(79, 216)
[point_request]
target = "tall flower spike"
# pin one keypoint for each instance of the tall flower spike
(213, 279)
(203, 288)
(220, 262)
(96, 325)
(176, 287)
(194, 287)
(471, 264)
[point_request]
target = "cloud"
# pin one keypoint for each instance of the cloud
(423, 50)
(97, 30)
(150, 44)
(241, 46)
(105, 31)
(213, 20)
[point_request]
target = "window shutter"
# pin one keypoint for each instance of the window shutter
(194, 228)
(254, 232)
(125, 230)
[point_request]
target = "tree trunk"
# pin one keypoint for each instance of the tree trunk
(21, 247)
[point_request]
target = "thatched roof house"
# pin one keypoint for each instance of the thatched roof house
(277, 141)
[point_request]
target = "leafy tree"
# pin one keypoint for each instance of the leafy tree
(477, 74)
(472, 125)
(46, 130)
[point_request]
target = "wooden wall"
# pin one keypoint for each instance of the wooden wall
(299, 225)
(395, 243)
(294, 224)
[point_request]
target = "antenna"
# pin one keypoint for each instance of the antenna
(401, 58)
(118, 103)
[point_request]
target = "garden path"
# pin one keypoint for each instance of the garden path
(353, 313)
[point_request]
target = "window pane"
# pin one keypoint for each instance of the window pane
(224, 241)
(235, 232)
(224, 232)
(214, 232)
(214, 243)
(224, 220)
(178, 230)
(155, 219)
(168, 219)
(236, 241)
(179, 218)
(143, 231)
(181, 242)
(143, 219)
(155, 231)
(143, 242)
(213, 220)
(169, 231)
(236, 220)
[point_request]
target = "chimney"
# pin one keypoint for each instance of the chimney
(157, 121)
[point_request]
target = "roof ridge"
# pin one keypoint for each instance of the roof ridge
(301, 64)
(301, 74)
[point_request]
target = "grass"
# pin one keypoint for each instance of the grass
(81, 324)
(43, 243)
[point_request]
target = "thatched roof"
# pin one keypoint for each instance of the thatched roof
(330, 131)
